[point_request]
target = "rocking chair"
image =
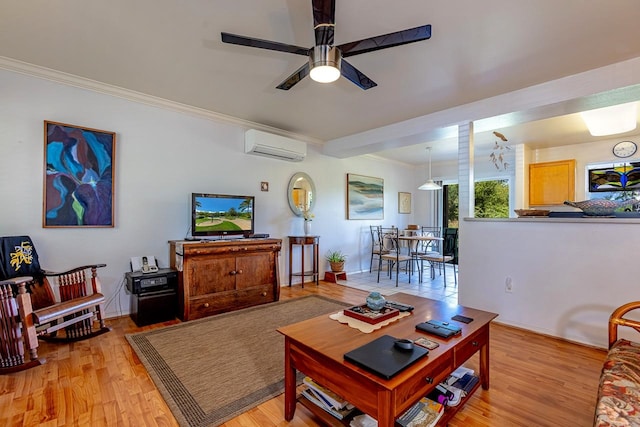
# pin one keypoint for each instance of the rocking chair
(31, 307)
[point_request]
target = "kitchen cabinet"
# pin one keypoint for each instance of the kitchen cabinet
(551, 183)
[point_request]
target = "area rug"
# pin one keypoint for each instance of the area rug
(213, 369)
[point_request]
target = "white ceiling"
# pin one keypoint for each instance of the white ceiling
(171, 49)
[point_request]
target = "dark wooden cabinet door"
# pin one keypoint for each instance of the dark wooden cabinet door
(213, 275)
(254, 270)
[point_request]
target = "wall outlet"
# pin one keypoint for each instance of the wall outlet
(508, 285)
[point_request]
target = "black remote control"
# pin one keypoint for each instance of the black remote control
(399, 306)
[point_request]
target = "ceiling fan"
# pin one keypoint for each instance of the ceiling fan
(326, 62)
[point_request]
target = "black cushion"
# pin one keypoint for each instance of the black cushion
(18, 257)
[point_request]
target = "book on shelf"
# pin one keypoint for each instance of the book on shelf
(326, 395)
(466, 383)
(425, 413)
(461, 371)
(340, 414)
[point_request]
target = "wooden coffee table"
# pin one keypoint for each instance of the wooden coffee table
(316, 348)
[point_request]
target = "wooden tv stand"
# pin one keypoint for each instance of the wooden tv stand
(224, 275)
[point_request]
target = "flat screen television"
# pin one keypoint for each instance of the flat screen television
(221, 215)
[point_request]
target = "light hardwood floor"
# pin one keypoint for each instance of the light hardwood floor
(535, 381)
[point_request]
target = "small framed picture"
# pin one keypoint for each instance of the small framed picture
(264, 186)
(404, 203)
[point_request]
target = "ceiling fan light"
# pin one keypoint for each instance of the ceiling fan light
(325, 74)
(611, 120)
(324, 64)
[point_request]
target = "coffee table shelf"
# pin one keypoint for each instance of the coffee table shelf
(331, 421)
(325, 417)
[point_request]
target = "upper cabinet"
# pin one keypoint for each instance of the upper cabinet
(551, 183)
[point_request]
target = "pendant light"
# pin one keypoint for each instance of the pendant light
(430, 184)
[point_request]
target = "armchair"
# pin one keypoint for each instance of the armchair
(44, 303)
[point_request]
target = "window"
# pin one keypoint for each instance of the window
(491, 200)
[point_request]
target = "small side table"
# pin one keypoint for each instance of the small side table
(333, 277)
(303, 241)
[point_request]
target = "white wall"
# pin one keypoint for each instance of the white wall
(162, 156)
(567, 276)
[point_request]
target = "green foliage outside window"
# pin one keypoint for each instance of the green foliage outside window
(491, 200)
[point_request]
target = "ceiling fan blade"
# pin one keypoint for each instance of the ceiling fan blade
(387, 40)
(324, 21)
(294, 78)
(356, 76)
(263, 44)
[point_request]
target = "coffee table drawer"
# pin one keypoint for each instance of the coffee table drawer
(424, 380)
(473, 343)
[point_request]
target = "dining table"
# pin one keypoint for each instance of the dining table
(412, 244)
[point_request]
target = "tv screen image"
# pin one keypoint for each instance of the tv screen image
(221, 214)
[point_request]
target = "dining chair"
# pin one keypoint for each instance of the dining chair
(424, 247)
(432, 245)
(395, 256)
(377, 246)
(448, 255)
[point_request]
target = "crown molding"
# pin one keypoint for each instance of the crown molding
(67, 79)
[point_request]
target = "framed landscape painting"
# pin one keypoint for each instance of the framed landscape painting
(78, 182)
(365, 197)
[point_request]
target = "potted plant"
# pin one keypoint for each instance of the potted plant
(336, 260)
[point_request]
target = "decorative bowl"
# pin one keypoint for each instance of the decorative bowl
(600, 207)
(532, 212)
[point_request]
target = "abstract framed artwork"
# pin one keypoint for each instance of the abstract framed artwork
(624, 177)
(365, 197)
(404, 202)
(79, 176)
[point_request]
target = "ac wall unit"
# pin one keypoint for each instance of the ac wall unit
(274, 146)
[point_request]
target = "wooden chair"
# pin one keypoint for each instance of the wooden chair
(617, 319)
(449, 255)
(73, 307)
(47, 304)
(18, 334)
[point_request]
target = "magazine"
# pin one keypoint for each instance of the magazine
(332, 400)
(425, 413)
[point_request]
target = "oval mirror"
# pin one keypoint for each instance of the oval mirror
(301, 193)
